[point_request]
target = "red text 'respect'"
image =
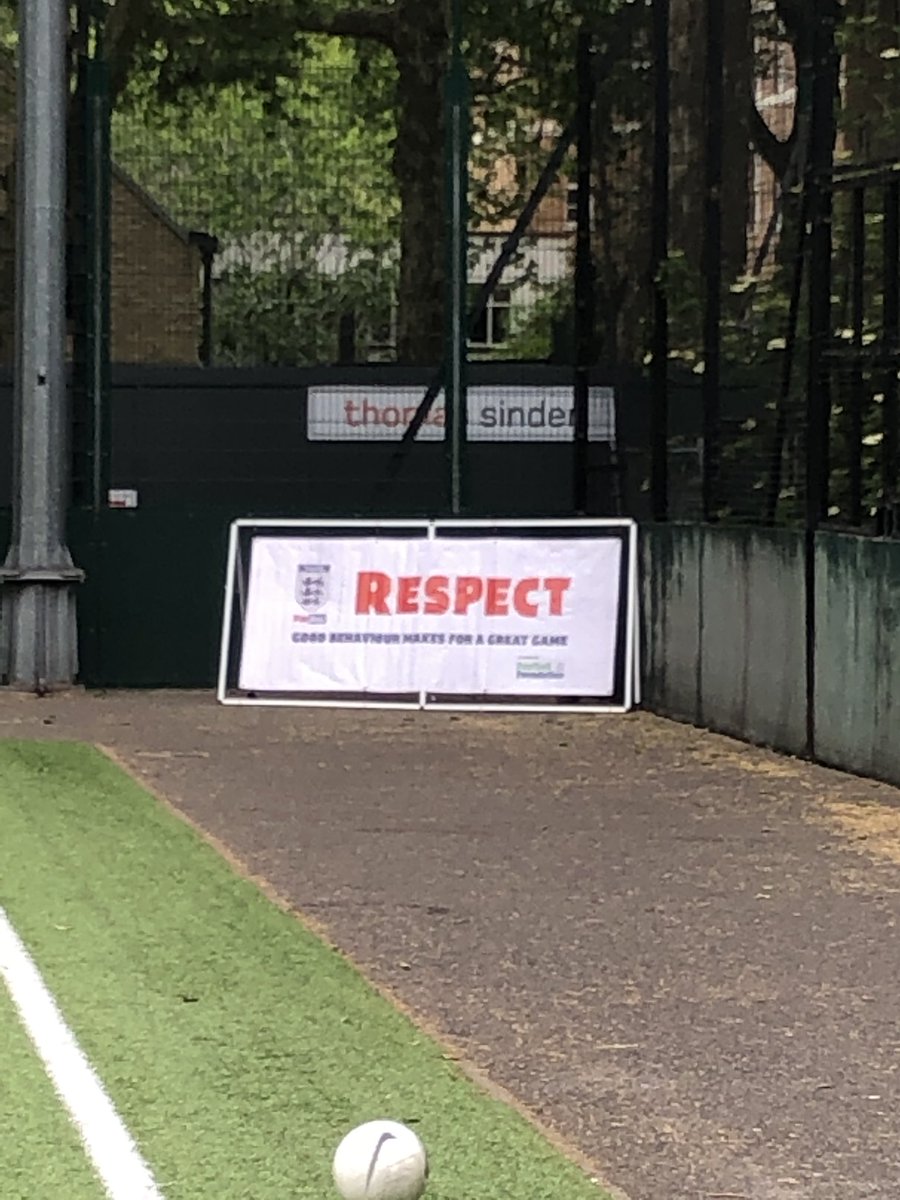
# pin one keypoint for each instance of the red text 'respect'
(436, 595)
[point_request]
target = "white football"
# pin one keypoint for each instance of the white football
(381, 1160)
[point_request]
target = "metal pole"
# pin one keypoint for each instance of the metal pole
(855, 406)
(822, 140)
(818, 386)
(458, 164)
(787, 363)
(40, 640)
(712, 254)
(208, 245)
(584, 274)
(89, 283)
(659, 369)
(99, 208)
(890, 463)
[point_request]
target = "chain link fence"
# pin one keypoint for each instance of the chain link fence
(294, 209)
(778, 267)
(708, 207)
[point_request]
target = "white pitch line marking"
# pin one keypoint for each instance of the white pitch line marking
(108, 1143)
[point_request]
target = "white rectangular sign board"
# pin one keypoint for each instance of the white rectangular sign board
(517, 614)
(505, 616)
(500, 413)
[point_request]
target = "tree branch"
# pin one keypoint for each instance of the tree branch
(131, 24)
(126, 27)
(368, 24)
(777, 153)
(794, 16)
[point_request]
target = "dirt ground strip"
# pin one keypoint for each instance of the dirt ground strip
(677, 951)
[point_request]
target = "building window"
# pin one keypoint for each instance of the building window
(571, 203)
(493, 326)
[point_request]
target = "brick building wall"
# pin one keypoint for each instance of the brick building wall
(155, 295)
(156, 284)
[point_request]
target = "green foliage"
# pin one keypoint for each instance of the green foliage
(292, 316)
(254, 70)
(870, 45)
(242, 160)
(240, 119)
(535, 331)
(8, 27)
(297, 187)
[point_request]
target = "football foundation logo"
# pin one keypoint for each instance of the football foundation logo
(539, 668)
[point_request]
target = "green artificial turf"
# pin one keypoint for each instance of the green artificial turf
(237, 1047)
(40, 1152)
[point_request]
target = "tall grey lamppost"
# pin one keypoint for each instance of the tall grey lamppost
(38, 620)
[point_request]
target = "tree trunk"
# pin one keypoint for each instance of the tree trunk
(687, 40)
(736, 156)
(688, 22)
(420, 170)
(624, 213)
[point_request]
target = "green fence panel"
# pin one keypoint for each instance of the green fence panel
(857, 695)
(724, 620)
(670, 594)
(151, 603)
(753, 643)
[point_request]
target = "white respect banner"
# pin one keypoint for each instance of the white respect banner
(516, 616)
(496, 413)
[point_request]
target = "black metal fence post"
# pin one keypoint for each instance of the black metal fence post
(712, 253)
(584, 273)
(208, 246)
(90, 287)
(818, 393)
(659, 367)
(457, 106)
(826, 66)
(855, 404)
(890, 462)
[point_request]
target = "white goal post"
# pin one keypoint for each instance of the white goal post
(510, 615)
